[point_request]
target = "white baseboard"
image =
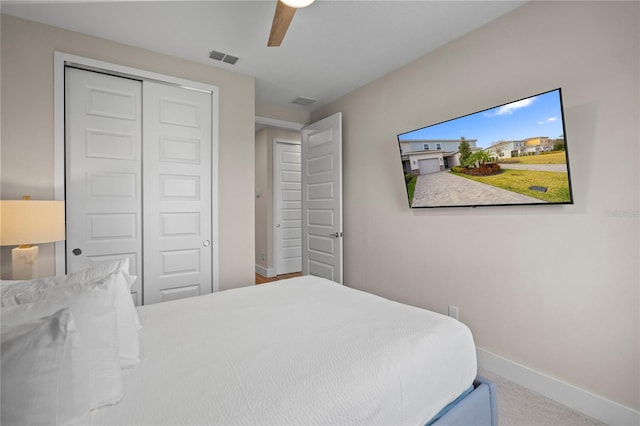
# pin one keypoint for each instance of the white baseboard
(265, 272)
(572, 396)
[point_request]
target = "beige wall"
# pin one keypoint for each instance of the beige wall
(27, 164)
(555, 288)
(284, 114)
(264, 187)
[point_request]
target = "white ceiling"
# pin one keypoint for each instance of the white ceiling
(331, 48)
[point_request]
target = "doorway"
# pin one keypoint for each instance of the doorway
(323, 235)
(265, 235)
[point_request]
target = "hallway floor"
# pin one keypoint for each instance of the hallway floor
(261, 279)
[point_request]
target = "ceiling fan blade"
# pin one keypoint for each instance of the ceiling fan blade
(281, 20)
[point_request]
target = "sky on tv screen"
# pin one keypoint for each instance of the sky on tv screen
(539, 115)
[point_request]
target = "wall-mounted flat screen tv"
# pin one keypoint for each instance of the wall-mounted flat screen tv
(511, 154)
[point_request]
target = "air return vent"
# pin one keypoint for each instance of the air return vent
(230, 59)
(219, 56)
(304, 101)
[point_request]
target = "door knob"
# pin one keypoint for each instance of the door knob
(76, 251)
(206, 243)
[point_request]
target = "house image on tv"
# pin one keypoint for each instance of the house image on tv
(530, 146)
(424, 156)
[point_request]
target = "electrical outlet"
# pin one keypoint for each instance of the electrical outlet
(453, 311)
(261, 256)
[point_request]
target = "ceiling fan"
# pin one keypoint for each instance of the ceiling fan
(285, 9)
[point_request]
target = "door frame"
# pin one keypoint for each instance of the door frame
(274, 207)
(60, 60)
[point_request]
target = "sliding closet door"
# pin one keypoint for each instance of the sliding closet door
(103, 132)
(139, 182)
(177, 192)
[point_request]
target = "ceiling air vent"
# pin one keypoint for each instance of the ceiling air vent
(219, 56)
(230, 59)
(304, 101)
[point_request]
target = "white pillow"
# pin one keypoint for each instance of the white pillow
(127, 316)
(44, 372)
(95, 317)
(128, 322)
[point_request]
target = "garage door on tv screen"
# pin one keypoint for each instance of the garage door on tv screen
(511, 154)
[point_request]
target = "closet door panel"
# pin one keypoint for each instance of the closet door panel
(177, 192)
(103, 132)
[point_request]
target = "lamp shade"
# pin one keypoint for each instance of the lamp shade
(31, 222)
(297, 3)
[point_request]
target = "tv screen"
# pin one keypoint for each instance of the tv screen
(511, 154)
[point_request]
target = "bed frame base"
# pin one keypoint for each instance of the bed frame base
(478, 408)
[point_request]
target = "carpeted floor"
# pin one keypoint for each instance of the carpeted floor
(519, 406)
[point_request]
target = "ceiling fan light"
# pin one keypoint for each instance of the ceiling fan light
(297, 3)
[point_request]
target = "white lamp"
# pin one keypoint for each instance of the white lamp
(27, 222)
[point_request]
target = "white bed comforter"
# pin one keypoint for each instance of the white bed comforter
(300, 351)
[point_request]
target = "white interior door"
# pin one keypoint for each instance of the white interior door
(322, 198)
(287, 192)
(177, 192)
(103, 171)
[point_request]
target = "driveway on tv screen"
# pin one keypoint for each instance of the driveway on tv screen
(446, 189)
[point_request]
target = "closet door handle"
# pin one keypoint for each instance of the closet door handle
(206, 243)
(76, 251)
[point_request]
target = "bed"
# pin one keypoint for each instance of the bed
(299, 351)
